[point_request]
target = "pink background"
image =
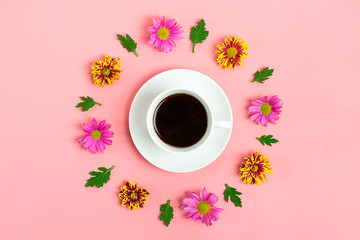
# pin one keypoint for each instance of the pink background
(47, 48)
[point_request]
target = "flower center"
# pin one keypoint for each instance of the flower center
(203, 207)
(106, 72)
(265, 109)
(231, 52)
(254, 168)
(133, 196)
(96, 134)
(163, 33)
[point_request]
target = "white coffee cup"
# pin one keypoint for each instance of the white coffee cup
(212, 123)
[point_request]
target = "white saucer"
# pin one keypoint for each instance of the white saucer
(180, 162)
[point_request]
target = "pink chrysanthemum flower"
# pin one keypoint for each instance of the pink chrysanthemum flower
(201, 207)
(265, 110)
(164, 33)
(97, 136)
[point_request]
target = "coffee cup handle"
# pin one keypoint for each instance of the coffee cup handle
(222, 124)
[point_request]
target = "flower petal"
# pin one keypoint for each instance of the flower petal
(151, 41)
(85, 139)
(107, 127)
(196, 216)
(176, 36)
(101, 125)
(272, 118)
(152, 30)
(157, 42)
(156, 23)
(161, 45)
(167, 46)
(100, 146)
(162, 21)
(107, 134)
(203, 195)
(255, 116)
(254, 108)
(92, 147)
(89, 142)
(93, 124)
(274, 115)
(194, 196)
(97, 146)
(263, 120)
(171, 42)
(216, 210)
(189, 202)
(273, 99)
(191, 214)
(170, 23)
(256, 102)
(87, 128)
(154, 36)
(212, 199)
(107, 141)
(206, 219)
(264, 99)
(189, 209)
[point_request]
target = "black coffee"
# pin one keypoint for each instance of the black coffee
(180, 120)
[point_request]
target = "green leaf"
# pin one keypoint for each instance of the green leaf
(87, 103)
(198, 34)
(263, 75)
(99, 178)
(166, 213)
(267, 140)
(232, 192)
(128, 43)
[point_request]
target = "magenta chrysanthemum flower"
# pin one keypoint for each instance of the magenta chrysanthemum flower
(97, 136)
(265, 110)
(201, 207)
(164, 33)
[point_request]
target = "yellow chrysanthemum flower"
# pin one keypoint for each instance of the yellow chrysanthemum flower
(133, 196)
(231, 52)
(106, 71)
(254, 168)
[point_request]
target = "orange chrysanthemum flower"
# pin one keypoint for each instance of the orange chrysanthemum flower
(106, 71)
(133, 196)
(231, 52)
(254, 168)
